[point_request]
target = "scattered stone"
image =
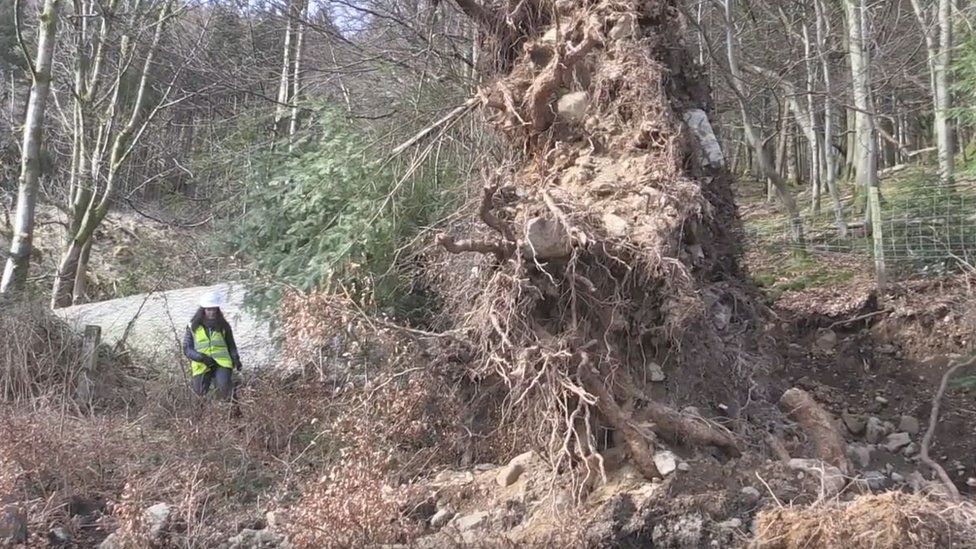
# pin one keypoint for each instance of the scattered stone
(453, 477)
(886, 349)
(111, 542)
(482, 467)
(684, 467)
(257, 539)
(523, 459)
(471, 522)
(832, 477)
(897, 441)
(59, 536)
(509, 474)
(731, 524)
(158, 517)
(909, 425)
(875, 480)
(666, 462)
(657, 374)
(971, 481)
(442, 517)
(625, 27)
(13, 525)
(910, 450)
(855, 423)
(874, 430)
(572, 106)
(916, 481)
(827, 341)
(685, 532)
(881, 400)
(752, 495)
(860, 454)
(896, 477)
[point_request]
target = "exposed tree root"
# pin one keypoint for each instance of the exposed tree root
(933, 422)
(611, 245)
(640, 444)
(818, 425)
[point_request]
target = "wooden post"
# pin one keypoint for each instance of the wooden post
(84, 392)
(877, 232)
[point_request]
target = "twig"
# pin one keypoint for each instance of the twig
(128, 327)
(930, 432)
(449, 117)
(860, 317)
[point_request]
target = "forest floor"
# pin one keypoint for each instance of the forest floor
(297, 463)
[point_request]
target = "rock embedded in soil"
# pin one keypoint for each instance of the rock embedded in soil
(831, 477)
(827, 341)
(158, 518)
(874, 430)
(751, 494)
(859, 454)
(572, 107)
(875, 480)
(657, 374)
(509, 474)
(855, 423)
(442, 517)
(897, 441)
(471, 522)
(666, 462)
(13, 525)
(909, 425)
(910, 450)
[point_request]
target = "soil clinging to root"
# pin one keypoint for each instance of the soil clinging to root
(610, 294)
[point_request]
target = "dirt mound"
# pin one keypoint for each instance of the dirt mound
(891, 520)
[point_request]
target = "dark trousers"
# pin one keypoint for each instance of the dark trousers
(222, 376)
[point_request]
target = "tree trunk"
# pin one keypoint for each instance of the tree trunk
(296, 75)
(830, 156)
(284, 89)
(943, 96)
(865, 141)
(18, 263)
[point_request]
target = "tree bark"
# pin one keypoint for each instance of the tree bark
(18, 263)
(830, 156)
(865, 142)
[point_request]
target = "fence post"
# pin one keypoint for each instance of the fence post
(877, 232)
(89, 360)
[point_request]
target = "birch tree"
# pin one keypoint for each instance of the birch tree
(935, 20)
(865, 143)
(15, 271)
(104, 141)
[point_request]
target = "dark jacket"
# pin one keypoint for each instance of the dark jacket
(189, 348)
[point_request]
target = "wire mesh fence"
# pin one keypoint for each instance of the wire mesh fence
(927, 228)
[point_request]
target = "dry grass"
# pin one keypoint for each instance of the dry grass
(322, 454)
(892, 520)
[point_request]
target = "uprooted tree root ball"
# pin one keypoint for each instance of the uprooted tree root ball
(608, 260)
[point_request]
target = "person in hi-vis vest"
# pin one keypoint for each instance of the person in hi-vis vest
(209, 344)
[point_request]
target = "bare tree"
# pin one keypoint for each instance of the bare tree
(935, 20)
(15, 271)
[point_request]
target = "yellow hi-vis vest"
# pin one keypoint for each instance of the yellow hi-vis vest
(213, 345)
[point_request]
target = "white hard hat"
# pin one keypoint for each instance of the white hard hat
(211, 299)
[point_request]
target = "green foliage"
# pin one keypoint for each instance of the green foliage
(333, 214)
(964, 73)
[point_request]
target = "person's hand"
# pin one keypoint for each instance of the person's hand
(237, 365)
(211, 363)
